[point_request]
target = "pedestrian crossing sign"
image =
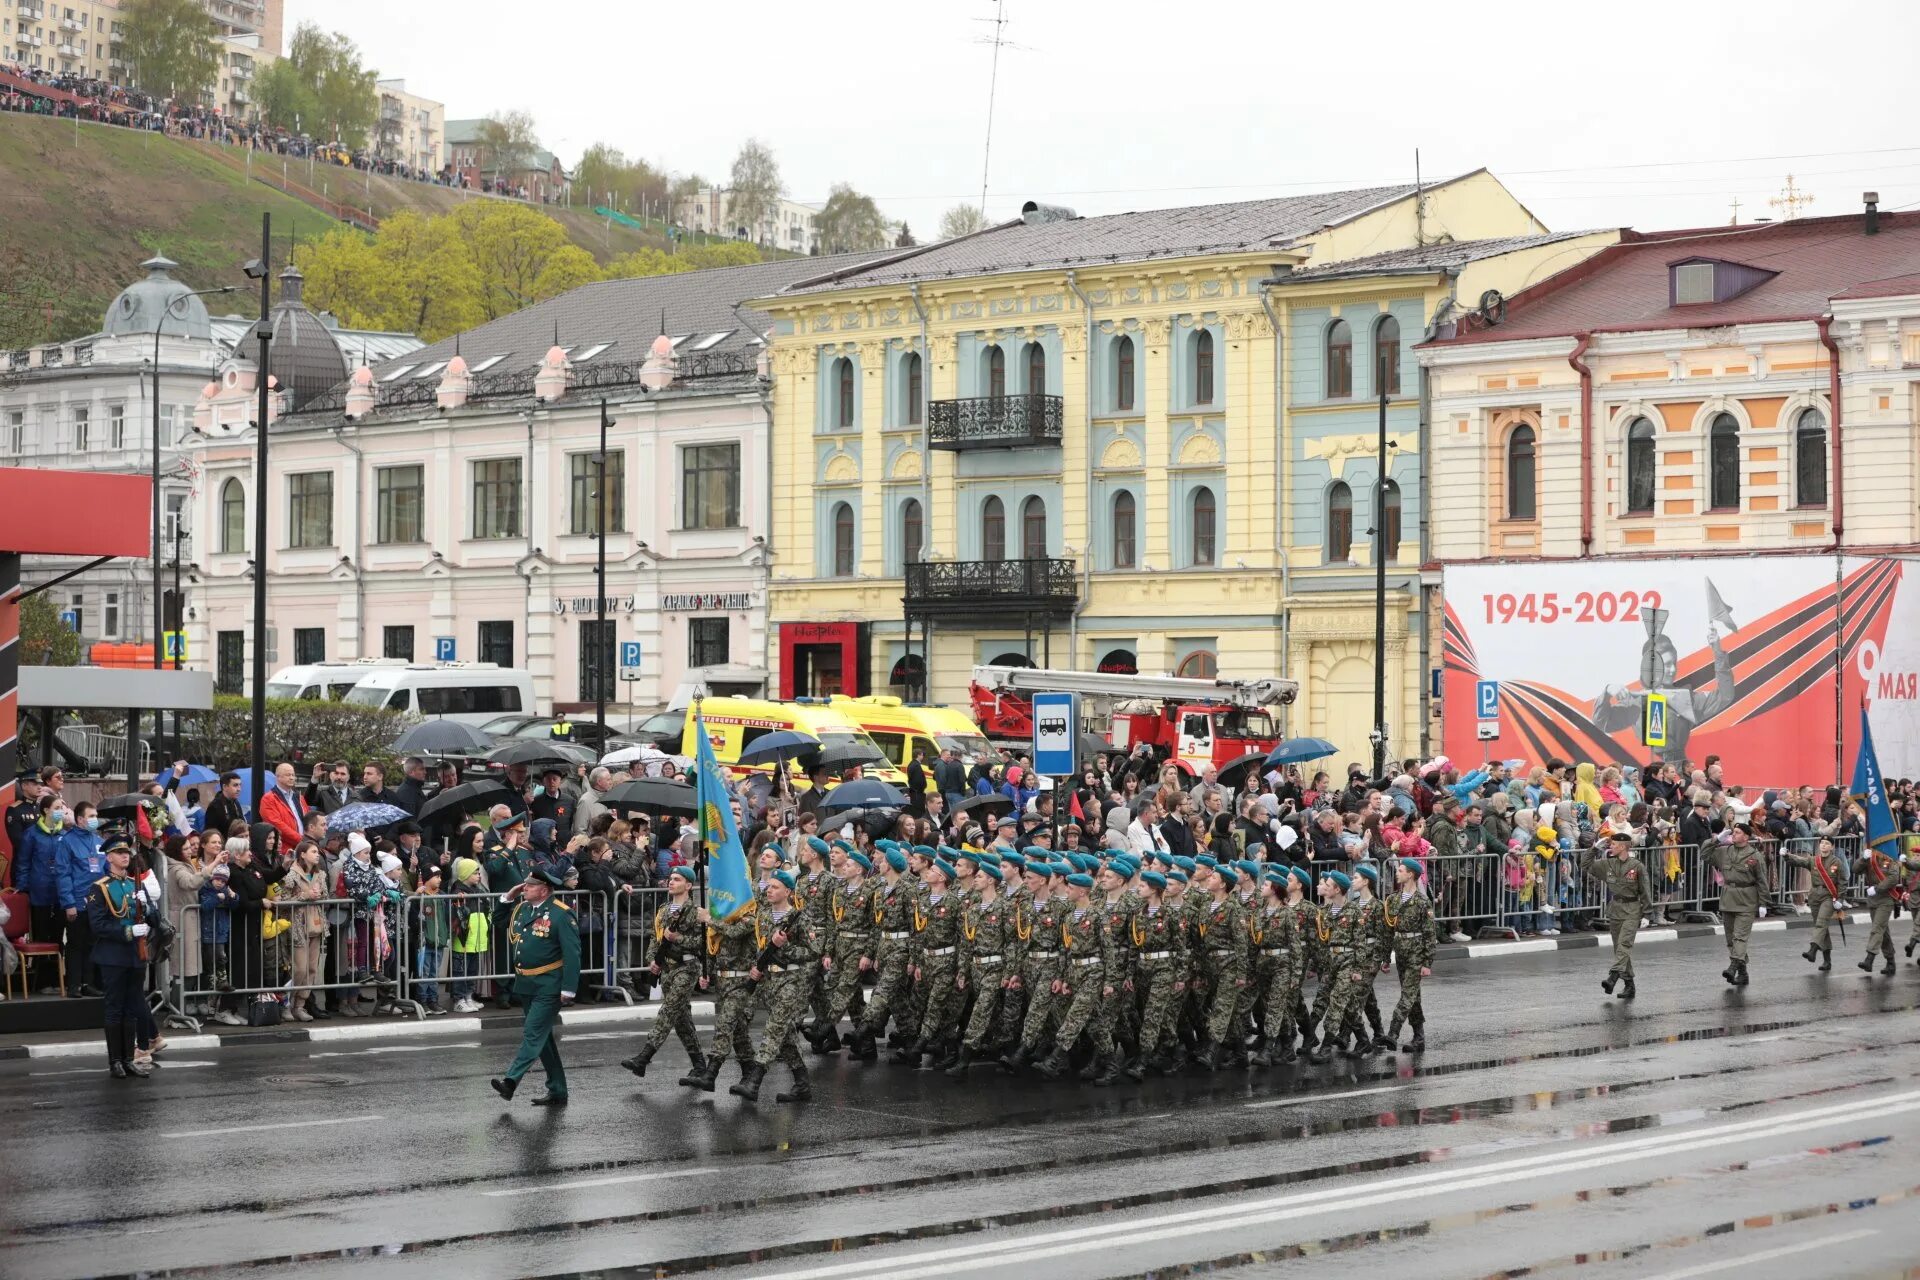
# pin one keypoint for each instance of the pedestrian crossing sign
(176, 646)
(1653, 721)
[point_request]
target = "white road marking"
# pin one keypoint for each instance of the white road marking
(398, 1048)
(1785, 1250)
(599, 1182)
(265, 1128)
(1026, 1250)
(1307, 1099)
(168, 1065)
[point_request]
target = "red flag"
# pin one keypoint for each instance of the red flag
(1073, 807)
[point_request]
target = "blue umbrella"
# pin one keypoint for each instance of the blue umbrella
(364, 816)
(867, 793)
(194, 776)
(781, 744)
(1301, 750)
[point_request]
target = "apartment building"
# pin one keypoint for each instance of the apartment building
(78, 39)
(788, 225)
(410, 129)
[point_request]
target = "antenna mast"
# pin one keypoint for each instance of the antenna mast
(993, 85)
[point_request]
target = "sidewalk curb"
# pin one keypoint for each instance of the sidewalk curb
(1601, 941)
(369, 1029)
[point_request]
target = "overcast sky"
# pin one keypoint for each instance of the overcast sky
(1621, 114)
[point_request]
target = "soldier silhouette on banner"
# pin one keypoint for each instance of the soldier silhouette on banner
(1622, 708)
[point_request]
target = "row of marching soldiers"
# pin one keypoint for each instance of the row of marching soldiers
(1043, 960)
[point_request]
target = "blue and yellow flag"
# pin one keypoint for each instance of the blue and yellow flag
(729, 885)
(1871, 795)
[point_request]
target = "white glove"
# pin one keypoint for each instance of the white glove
(1763, 913)
(1871, 891)
(140, 930)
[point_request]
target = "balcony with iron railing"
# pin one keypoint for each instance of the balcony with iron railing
(995, 422)
(1039, 588)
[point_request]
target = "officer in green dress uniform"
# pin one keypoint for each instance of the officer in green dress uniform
(1746, 879)
(1628, 892)
(545, 944)
(1829, 877)
(1886, 878)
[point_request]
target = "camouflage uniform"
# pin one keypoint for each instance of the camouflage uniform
(679, 960)
(813, 898)
(892, 916)
(1121, 1013)
(787, 978)
(1158, 934)
(1410, 916)
(733, 951)
(1346, 976)
(851, 909)
(1037, 925)
(986, 935)
(1083, 970)
(1375, 940)
(936, 953)
(1013, 1000)
(1306, 920)
(1224, 939)
(1279, 962)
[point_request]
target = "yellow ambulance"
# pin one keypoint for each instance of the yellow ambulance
(899, 728)
(734, 724)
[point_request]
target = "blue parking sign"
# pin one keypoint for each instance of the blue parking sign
(629, 653)
(1486, 698)
(444, 649)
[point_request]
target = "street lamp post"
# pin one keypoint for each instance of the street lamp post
(258, 270)
(1380, 589)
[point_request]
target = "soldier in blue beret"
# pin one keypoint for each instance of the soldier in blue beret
(545, 944)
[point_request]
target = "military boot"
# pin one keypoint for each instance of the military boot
(1888, 969)
(831, 1041)
(1866, 966)
(1811, 954)
(1419, 1042)
(1740, 974)
(1109, 1070)
(1136, 1068)
(1607, 983)
(638, 1062)
(1056, 1064)
(1627, 991)
(1826, 961)
(1323, 1050)
(801, 1090)
(748, 1086)
(1012, 1063)
(704, 1073)
(946, 1054)
(1728, 972)
(958, 1070)
(864, 1047)
(1911, 945)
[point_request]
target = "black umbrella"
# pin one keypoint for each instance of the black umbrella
(531, 751)
(875, 822)
(128, 804)
(443, 737)
(655, 795)
(841, 755)
(981, 808)
(1092, 747)
(469, 797)
(1234, 775)
(871, 793)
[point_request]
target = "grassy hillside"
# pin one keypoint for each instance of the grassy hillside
(80, 209)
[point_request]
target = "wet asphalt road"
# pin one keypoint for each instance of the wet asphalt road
(1698, 1131)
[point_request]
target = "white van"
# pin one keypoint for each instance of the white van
(324, 681)
(470, 692)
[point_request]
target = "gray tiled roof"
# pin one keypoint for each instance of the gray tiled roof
(629, 313)
(1190, 231)
(1428, 258)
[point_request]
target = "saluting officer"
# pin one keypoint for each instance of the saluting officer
(545, 944)
(1625, 878)
(1745, 878)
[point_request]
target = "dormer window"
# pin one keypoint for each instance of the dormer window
(1698, 280)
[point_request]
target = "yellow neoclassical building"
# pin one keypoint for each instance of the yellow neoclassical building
(1142, 441)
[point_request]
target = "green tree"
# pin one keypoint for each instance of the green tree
(415, 276)
(44, 639)
(905, 239)
(849, 221)
(721, 253)
(961, 220)
(321, 88)
(647, 262)
(522, 255)
(171, 46)
(508, 140)
(754, 187)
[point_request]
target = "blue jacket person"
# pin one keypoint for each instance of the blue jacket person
(544, 941)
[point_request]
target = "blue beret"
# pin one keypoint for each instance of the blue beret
(860, 859)
(951, 854)
(885, 846)
(1277, 874)
(843, 845)
(1080, 879)
(926, 851)
(896, 859)
(819, 846)
(1367, 869)
(1186, 864)
(945, 868)
(1127, 866)
(1154, 879)
(1340, 878)
(1413, 865)
(1176, 876)
(785, 878)
(1013, 860)
(1247, 866)
(1304, 876)
(1205, 860)
(1035, 851)
(988, 855)
(990, 870)
(685, 873)
(1228, 876)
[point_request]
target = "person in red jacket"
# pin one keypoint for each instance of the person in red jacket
(283, 807)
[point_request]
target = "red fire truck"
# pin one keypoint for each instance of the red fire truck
(1193, 722)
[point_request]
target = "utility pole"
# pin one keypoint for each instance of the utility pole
(602, 674)
(259, 271)
(1380, 587)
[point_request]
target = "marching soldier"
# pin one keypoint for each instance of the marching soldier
(1117, 1010)
(1224, 941)
(1083, 953)
(1158, 934)
(1624, 877)
(936, 948)
(852, 954)
(679, 947)
(1886, 878)
(1276, 960)
(1823, 896)
(1037, 926)
(813, 896)
(1345, 972)
(1410, 916)
(1745, 879)
(545, 944)
(731, 950)
(1013, 995)
(892, 908)
(1306, 922)
(1376, 940)
(786, 964)
(985, 942)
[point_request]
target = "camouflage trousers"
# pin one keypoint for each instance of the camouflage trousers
(1086, 1010)
(844, 994)
(732, 1013)
(1045, 1006)
(1280, 977)
(942, 1009)
(1350, 982)
(984, 979)
(890, 986)
(787, 995)
(675, 1015)
(1409, 1002)
(1226, 975)
(1160, 1003)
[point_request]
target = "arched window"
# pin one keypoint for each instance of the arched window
(1386, 356)
(1203, 367)
(912, 530)
(1339, 523)
(1520, 472)
(1201, 664)
(1389, 518)
(1124, 516)
(911, 368)
(1036, 369)
(1339, 359)
(842, 541)
(1123, 373)
(1640, 465)
(996, 373)
(1203, 526)
(1033, 529)
(1723, 463)
(233, 517)
(843, 392)
(993, 530)
(1810, 459)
